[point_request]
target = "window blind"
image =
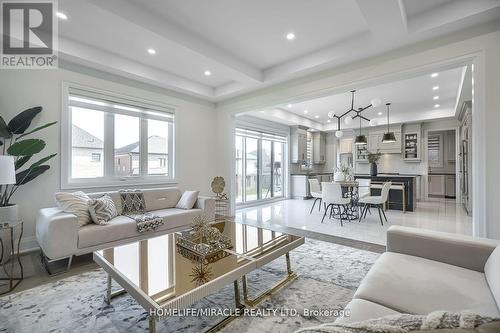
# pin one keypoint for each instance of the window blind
(119, 105)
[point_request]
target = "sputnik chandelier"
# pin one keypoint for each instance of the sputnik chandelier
(360, 139)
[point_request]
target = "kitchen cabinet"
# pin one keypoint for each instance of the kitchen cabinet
(299, 186)
(319, 147)
(298, 144)
(375, 141)
(345, 146)
(437, 185)
(412, 147)
(451, 151)
(450, 187)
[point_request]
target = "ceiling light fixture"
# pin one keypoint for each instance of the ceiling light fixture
(388, 137)
(380, 113)
(151, 51)
(360, 139)
(434, 74)
(289, 106)
(290, 36)
(305, 111)
(436, 105)
(338, 132)
(61, 15)
(435, 97)
(435, 88)
(329, 121)
(207, 73)
(316, 116)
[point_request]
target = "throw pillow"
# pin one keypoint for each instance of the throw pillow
(132, 201)
(187, 200)
(74, 203)
(102, 209)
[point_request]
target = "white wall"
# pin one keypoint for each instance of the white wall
(480, 45)
(195, 146)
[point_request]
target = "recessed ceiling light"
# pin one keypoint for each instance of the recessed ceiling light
(305, 111)
(261, 111)
(290, 36)
(151, 51)
(289, 105)
(316, 116)
(207, 73)
(380, 113)
(435, 88)
(436, 105)
(434, 74)
(61, 15)
(435, 97)
(329, 121)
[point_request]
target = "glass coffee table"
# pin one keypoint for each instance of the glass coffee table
(163, 275)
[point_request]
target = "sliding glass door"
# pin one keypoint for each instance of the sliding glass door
(259, 165)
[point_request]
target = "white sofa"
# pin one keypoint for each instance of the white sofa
(59, 235)
(424, 271)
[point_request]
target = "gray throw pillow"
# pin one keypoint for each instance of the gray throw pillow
(187, 200)
(102, 209)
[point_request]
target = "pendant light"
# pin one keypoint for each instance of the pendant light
(388, 137)
(360, 139)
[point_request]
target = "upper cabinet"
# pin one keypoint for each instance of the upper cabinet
(319, 147)
(451, 147)
(345, 146)
(298, 144)
(375, 140)
(412, 147)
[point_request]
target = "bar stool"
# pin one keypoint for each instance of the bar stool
(315, 190)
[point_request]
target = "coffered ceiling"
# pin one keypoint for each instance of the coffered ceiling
(424, 97)
(244, 44)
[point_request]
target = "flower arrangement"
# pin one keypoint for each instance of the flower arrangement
(345, 170)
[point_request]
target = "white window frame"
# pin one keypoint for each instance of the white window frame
(109, 179)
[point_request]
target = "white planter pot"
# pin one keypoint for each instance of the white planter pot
(9, 213)
(338, 176)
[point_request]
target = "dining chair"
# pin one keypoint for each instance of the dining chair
(377, 201)
(364, 190)
(315, 190)
(332, 198)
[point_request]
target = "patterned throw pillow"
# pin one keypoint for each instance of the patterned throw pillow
(75, 203)
(102, 209)
(132, 201)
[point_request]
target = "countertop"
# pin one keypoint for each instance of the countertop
(310, 173)
(389, 175)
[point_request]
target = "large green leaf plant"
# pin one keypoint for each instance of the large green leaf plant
(14, 141)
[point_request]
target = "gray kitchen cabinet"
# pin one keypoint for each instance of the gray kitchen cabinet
(345, 146)
(437, 185)
(451, 147)
(450, 186)
(319, 147)
(375, 140)
(298, 144)
(300, 186)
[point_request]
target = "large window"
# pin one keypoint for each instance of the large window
(115, 140)
(259, 163)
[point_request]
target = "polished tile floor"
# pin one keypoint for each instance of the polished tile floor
(433, 214)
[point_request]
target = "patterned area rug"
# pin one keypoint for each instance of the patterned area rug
(328, 276)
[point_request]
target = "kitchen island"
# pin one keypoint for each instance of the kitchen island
(396, 196)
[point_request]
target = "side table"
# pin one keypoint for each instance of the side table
(10, 241)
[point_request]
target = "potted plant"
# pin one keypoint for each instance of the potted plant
(373, 160)
(13, 142)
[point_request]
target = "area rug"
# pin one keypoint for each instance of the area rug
(328, 275)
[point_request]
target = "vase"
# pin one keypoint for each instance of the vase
(338, 176)
(8, 213)
(373, 169)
